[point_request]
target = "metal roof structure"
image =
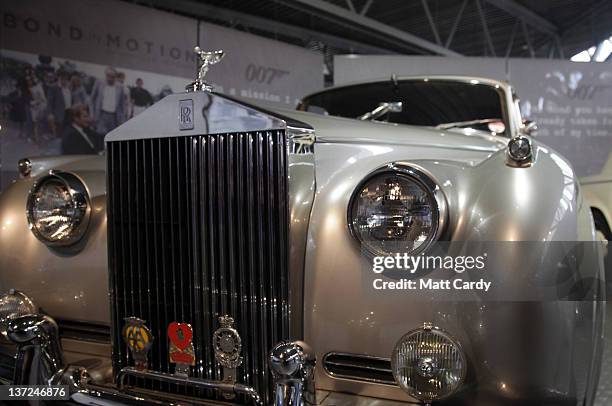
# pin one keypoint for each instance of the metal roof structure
(498, 28)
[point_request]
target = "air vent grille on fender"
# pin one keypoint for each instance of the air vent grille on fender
(359, 367)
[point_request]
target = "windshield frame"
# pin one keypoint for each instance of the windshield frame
(501, 88)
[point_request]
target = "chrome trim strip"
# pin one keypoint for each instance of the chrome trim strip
(301, 187)
(594, 182)
(236, 388)
(354, 365)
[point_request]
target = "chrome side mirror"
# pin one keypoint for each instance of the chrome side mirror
(529, 127)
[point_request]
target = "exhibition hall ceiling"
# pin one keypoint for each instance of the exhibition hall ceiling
(515, 28)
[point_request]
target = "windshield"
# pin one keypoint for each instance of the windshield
(433, 103)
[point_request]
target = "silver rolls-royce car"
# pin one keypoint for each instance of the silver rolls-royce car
(222, 252)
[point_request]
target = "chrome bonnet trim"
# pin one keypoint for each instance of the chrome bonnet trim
(209, 113)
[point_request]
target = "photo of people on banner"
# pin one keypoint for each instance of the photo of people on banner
(59, 106)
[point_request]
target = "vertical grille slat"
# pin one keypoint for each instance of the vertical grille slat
(206, 261)
(170, 230)
(229, 216)
(283, 201)
(198, 228)
(260, 250)
(156, 250)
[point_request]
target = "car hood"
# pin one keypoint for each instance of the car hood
(344, 130)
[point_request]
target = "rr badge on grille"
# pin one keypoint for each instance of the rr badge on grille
(181, 350)
(138, 339)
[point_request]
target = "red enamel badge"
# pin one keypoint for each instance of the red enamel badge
(181, 344)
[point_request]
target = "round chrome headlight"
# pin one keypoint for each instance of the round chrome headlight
(428, 364)
(397, 209)
(58, 209)
(12, 305)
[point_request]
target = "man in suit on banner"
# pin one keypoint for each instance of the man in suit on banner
(79, 138)
(107, 103)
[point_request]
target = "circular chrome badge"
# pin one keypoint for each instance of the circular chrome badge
(227, 344)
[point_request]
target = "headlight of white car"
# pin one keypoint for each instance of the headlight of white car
(58, 209)
(397, 209)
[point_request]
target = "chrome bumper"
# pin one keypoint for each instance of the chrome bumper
(40, 361)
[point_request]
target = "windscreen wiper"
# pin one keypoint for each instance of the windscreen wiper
(381, 110)
(446, 126)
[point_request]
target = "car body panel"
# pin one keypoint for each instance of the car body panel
(485, 191)
(67, 283)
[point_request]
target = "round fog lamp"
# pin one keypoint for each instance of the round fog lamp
(12, 305)
(428, 364)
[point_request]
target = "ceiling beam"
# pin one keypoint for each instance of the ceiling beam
(366, 7)
(349, 4)
(511, 40)
(536, 21)
(455, 24)
(485, 28)
(527, 38)
(206, 11)
(586, 17)
(432, 23)
(372, 25)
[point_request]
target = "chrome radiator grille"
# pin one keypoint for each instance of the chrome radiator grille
(197, 228)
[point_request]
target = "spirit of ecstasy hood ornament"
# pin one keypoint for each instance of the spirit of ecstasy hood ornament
(205, 60)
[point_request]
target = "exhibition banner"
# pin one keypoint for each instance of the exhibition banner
(570, 101)
(103, 32)
(112, 60)
(572, 104)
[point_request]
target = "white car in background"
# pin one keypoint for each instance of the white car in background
(598, 191)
